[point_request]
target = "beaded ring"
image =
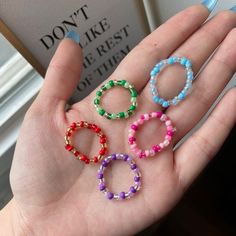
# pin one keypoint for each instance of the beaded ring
(156, 148)
(189, 78)
(69, 147)
(120, 115)
(137, 177)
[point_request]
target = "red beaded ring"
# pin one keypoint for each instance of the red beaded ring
(156, 148)
(69, 147)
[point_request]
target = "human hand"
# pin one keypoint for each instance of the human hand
(56, 195)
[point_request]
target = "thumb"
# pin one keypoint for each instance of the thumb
(63, 73)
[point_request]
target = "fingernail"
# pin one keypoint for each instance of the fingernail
(73, 35)
(233, 9)
(210, 4)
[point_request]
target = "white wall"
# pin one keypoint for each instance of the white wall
(161, 10)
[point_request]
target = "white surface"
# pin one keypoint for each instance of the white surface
(6, 52)
(164, 9)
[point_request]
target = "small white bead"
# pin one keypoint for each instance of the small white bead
(126, 85)
(166, 143)
(137, 185)
(146, 116)
(140, 121)
(168, 123)
(135, 149)
(133, 145)
(138, 152)
(147, 153)
(152, 153)
(130, 135)
(167, 137)
(163, 117)
(154, 114)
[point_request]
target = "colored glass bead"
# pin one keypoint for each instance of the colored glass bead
(171, 61)
(111, 83)
(109, 116)
(69, 147)
(121, 115)
(110, 195)
(132, 189)
(123, 82)
(99, 93)
(165, 104)
(113, 156)
(183, 61)
(156, 99)
(102, 186)
(122, 195)
(136, 178)
(101, 111)
(104, 88)
(132, 108)
(96, 101)
(134, 93)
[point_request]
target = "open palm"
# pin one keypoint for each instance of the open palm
(54, 194)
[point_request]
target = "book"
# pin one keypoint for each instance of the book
(108, 31)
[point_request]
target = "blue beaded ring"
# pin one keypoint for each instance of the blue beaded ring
(189, 79)
(122, 195)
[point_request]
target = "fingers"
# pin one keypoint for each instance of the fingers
(204, 42)
(197, 151)
(207, 87)
(63, 73)
(136, 67)
(197, 48)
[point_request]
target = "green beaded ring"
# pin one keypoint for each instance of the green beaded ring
(120, 115)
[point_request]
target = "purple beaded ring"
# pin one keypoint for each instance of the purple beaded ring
(137, 177)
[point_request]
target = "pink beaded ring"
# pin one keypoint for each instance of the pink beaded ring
(170, 130)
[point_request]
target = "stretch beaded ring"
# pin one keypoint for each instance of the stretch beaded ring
(137, 177)
(69, 147)
(189, 78)
(156, 148)
(120, 115)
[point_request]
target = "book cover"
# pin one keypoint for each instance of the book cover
(108, 31)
